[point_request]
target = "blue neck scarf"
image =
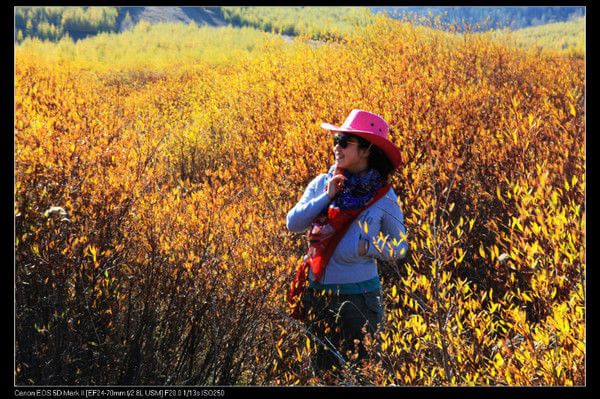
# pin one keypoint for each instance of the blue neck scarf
(358, 189)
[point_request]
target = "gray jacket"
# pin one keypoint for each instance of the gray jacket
(345, 265)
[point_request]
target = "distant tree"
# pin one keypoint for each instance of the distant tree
(51, 23)
(19, 17)
(127, 22)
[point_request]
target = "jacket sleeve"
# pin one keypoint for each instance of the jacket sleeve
(391, 242)
(313, 201)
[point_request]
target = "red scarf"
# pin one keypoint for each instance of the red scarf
(323, 237)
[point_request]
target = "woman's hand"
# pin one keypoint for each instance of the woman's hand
(335, 185)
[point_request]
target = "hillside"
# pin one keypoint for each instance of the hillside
(53, 23)
(211, 16)
(484, 18)
(558, 36)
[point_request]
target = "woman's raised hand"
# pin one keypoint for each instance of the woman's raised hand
(335, 185)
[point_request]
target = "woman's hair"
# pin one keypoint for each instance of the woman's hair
(377, 159)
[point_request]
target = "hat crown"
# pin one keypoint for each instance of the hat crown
(366, 121)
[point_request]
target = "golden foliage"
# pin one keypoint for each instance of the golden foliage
(170, 259)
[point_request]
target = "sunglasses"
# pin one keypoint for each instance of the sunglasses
(343, 141)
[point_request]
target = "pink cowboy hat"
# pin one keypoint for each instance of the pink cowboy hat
(370, 127)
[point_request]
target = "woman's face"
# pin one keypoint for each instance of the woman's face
(352, 158)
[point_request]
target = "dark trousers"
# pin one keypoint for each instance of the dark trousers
(338, 320)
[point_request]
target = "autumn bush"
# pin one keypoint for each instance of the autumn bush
(150, 207)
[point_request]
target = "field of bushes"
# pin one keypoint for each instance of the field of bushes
(568, 36)
(150, 203)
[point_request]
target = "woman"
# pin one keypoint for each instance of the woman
(344, 212)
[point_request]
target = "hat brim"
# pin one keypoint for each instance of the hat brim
(388, 148)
